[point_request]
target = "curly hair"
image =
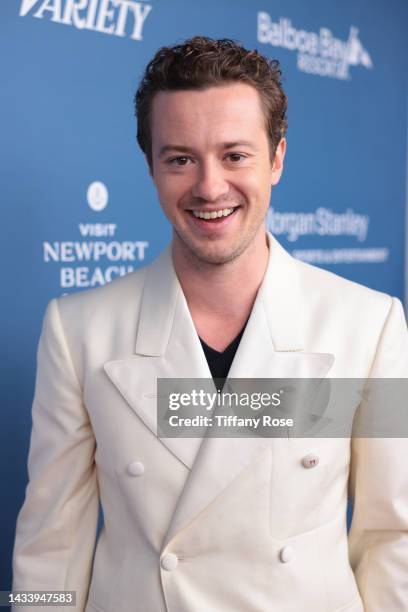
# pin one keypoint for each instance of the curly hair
(202, 62)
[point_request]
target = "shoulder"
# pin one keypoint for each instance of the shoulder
(335, 292)
(359, 325)
(103, 305)
(320, 295)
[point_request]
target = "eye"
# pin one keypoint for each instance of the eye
(235, 157)
(180, 160)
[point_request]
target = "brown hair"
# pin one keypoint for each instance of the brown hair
(202, 62)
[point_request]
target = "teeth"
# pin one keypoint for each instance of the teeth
(213, 214)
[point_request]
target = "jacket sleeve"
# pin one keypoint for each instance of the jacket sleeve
(378, 538)
(56, 526)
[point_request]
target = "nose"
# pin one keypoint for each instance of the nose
(210, 183)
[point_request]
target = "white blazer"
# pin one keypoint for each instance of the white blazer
(220, 525)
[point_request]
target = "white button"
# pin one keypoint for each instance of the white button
(136, 468)
(310, 461)
(286, 554)
(169, 561)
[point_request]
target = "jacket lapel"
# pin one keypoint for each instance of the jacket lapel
(167, 346)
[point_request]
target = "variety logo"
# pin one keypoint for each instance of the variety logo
(114, 17)
(318, 53)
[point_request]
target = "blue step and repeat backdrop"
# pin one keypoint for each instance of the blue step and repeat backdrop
(78, 205)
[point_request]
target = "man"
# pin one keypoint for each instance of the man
(213, 524)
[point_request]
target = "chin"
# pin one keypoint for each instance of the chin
(214, 255)
(216, 259)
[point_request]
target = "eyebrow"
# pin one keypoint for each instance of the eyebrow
(225, 145)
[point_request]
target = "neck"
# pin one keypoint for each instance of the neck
(222, 295)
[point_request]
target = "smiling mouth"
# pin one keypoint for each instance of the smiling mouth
(210, 215)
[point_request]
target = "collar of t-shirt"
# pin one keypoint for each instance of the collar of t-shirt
(220, 362)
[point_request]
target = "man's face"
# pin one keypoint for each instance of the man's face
(210, 156)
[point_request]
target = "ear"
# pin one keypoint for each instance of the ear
(277, 166)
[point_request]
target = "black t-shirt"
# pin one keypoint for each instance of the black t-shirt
(220, 362)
